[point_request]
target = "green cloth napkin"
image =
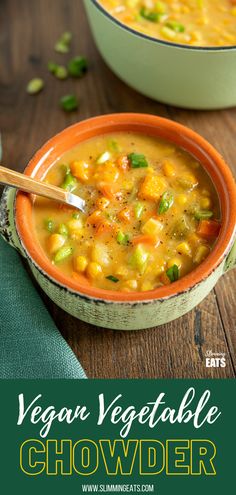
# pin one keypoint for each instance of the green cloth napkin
(30, 344)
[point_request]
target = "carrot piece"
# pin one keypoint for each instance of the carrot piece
(80, 170)
(95, 218)
(165, 279)
(107, 191)
(208, 228)
(103, 228)
(143, 239)
(80, 278)
(123, 162)
(126, 214)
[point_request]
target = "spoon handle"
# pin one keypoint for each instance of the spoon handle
(29, 185)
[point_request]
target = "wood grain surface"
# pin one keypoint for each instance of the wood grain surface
(28, 31)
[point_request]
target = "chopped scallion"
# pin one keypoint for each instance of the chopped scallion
(63, 253)
(203, 215)
(150, 15)
(35, 86)
(166, 202)
(49, 224)
(138, 210)
(173, 273)
(137, 160)
(104, 157)
(112, 279)
(122, 238)
(175, 26)
(77, 66)
(70, 183)
(69, 103)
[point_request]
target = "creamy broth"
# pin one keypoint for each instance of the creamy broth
(152, 216)
(193, 22)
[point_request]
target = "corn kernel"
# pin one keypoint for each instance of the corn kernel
(205, 203)
(80, 263)
(201, 253)
(168, 169)
(102, 203)
(184, 248)
(147, 286)
(94, 270)
(55, 242)
(174, 261)
(132, 284)
(233, 11)
(182, 199)
(75, 225)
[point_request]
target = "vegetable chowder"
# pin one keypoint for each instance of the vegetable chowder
(152, 215)
(192, 22)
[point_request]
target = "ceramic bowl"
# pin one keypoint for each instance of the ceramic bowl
(181, 75)
(112, 309)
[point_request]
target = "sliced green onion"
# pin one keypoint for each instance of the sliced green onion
(122, 238)
(49, 224)
(137, 161)
(167, 200)
(35, 86)
(61, 72)
(69, 103)
(52, 67)
(139, 258)
(63, 230)
(77, 66)
(104, 157)
(175, 26)
(203, 215)
(70, 183)
(113, 145)
(138, 210)
(66, 37)
(63, 44)
(112, 279)
(76, 216)
(173, 273)
(63, 253)
(150, 15)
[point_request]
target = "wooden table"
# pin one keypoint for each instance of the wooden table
(28, 30)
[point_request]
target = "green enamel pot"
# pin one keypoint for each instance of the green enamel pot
(180, 75)
(114, 309)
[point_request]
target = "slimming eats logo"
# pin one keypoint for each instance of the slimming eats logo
(120, 456)
(215, 359)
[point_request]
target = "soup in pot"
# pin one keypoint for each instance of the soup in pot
(192, 22)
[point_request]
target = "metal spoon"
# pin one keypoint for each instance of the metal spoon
(33, 186)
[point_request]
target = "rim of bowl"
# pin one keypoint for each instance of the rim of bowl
(171, 131)
(160, 41)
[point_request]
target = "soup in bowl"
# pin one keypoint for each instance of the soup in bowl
(152, 213)
(158, 230)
